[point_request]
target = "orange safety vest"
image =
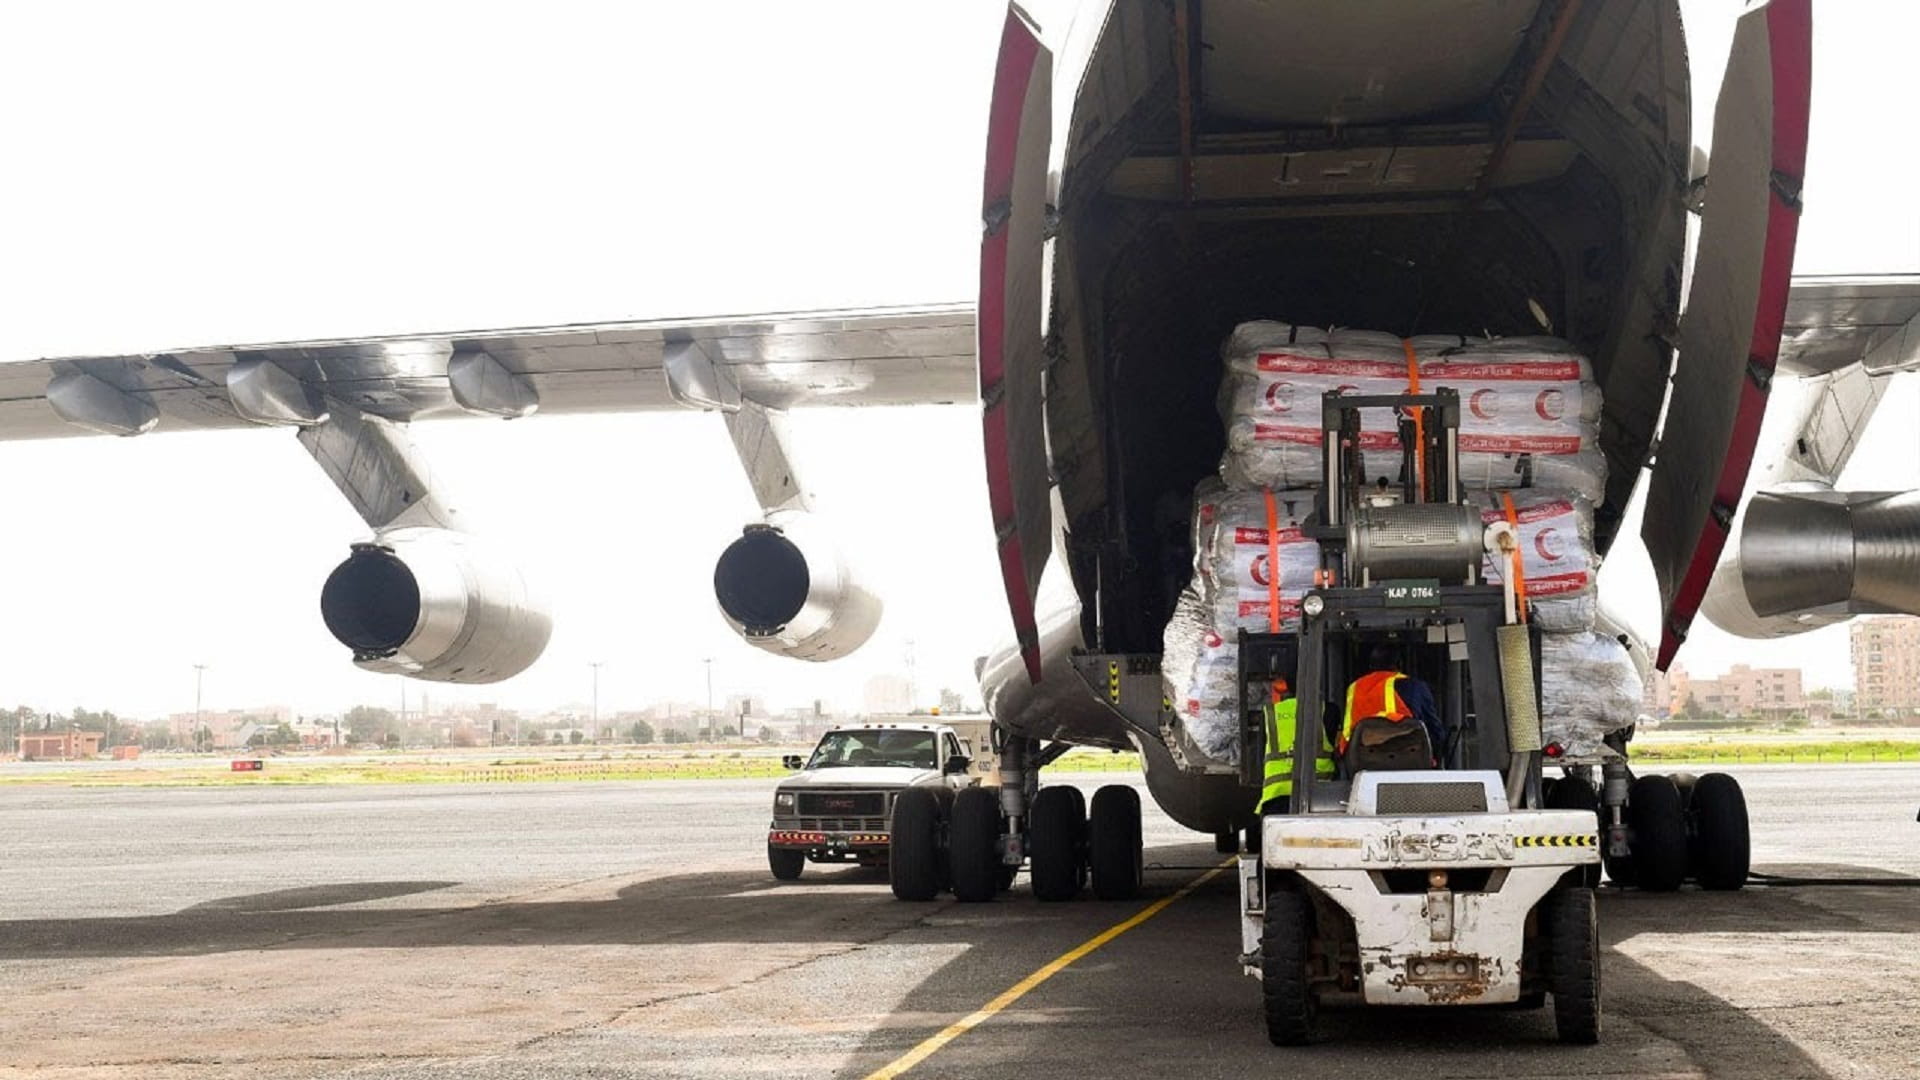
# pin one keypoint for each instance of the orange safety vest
(1369, 696)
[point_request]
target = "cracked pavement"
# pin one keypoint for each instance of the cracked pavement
(632, 930)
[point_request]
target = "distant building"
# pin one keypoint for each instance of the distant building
(1886, 664)
(59, 745)
(1742, 691)
(1657, 700)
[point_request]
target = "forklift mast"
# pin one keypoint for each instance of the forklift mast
(1400, 562)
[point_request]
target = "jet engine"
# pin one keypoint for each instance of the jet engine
(436, 605)
(785, 587)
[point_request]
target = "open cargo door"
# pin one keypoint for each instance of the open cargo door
(1730, 333)
(1012, 339)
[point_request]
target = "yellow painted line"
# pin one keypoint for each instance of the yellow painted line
(1020, 989)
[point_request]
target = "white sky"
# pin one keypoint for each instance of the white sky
(201, 172)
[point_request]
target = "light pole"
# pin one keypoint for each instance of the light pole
(709, 662)
(199, 674)
(593, 727)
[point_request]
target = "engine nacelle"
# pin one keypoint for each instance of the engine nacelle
(436, 605)
(785, 587)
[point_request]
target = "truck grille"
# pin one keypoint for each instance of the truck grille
(866, 825)
(842, 804)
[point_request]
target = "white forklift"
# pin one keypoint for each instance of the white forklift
(1427, 870)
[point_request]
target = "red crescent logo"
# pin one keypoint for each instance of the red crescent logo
(1551, 404)
(1547, 543)
(1483, 404)
(1259, 570)
(1213, 640)
(1280, 397)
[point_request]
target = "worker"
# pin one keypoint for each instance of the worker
(1384, 691)
(1282, 731)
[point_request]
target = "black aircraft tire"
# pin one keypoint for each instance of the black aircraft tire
(1576, 793)
(1572, 928)
(1722, 851)
(1054, 825)
(913, 857)
(786, 863)
(973, 835)
(1286, 934)
(1113, 843)
(1659, 825)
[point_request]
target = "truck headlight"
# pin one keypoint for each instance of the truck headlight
(783, 800)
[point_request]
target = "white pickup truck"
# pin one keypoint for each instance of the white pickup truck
(837, 807)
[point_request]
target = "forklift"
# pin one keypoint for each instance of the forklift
(1424, 867)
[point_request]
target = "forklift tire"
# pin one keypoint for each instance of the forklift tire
(913, 862)
(1572, 928)
(1286, 936)
(1659, 825)
(1113, 843)
(1054, 825)
(1575, 793)
(1722, 850)
(973, 848)
(786, 863)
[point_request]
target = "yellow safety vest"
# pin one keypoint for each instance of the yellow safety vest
(1281, 731)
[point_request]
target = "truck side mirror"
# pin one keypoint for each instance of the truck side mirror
(791, 761)
(957, 764)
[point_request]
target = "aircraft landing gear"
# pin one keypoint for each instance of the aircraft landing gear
(973, 844)
(1113, 843)
(1661, 831)
(913, 864)
(1056, 834)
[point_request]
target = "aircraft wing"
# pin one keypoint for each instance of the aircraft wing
(1835, 321)
(883, 356)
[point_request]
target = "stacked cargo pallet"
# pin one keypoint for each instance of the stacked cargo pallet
(1529, 444)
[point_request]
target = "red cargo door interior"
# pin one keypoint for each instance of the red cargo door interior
(1730, 333)
(1012, 342)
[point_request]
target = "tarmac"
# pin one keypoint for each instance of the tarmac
(632, 930)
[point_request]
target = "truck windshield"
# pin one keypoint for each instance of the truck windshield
(908, 749)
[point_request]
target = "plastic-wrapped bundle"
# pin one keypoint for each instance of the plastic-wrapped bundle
(1232, 556)
(1529, 406)
(1589, 688)
(1557, 559)
(1200, 665)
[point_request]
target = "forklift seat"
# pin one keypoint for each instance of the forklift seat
(1380, 743)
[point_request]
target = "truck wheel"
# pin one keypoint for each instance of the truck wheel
(1113, 842)
(913, 856)
(1722, 850)
(786, 863)
(1286, 934)
(973, 834)
(1575, 793)
(1054, 825)
(1659, 833)
(1572, 928)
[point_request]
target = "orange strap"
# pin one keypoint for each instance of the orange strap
(1273, 566)
(1516, 561)
(1419, 425)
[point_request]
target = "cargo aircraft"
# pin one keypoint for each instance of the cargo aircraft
(1155, 172)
